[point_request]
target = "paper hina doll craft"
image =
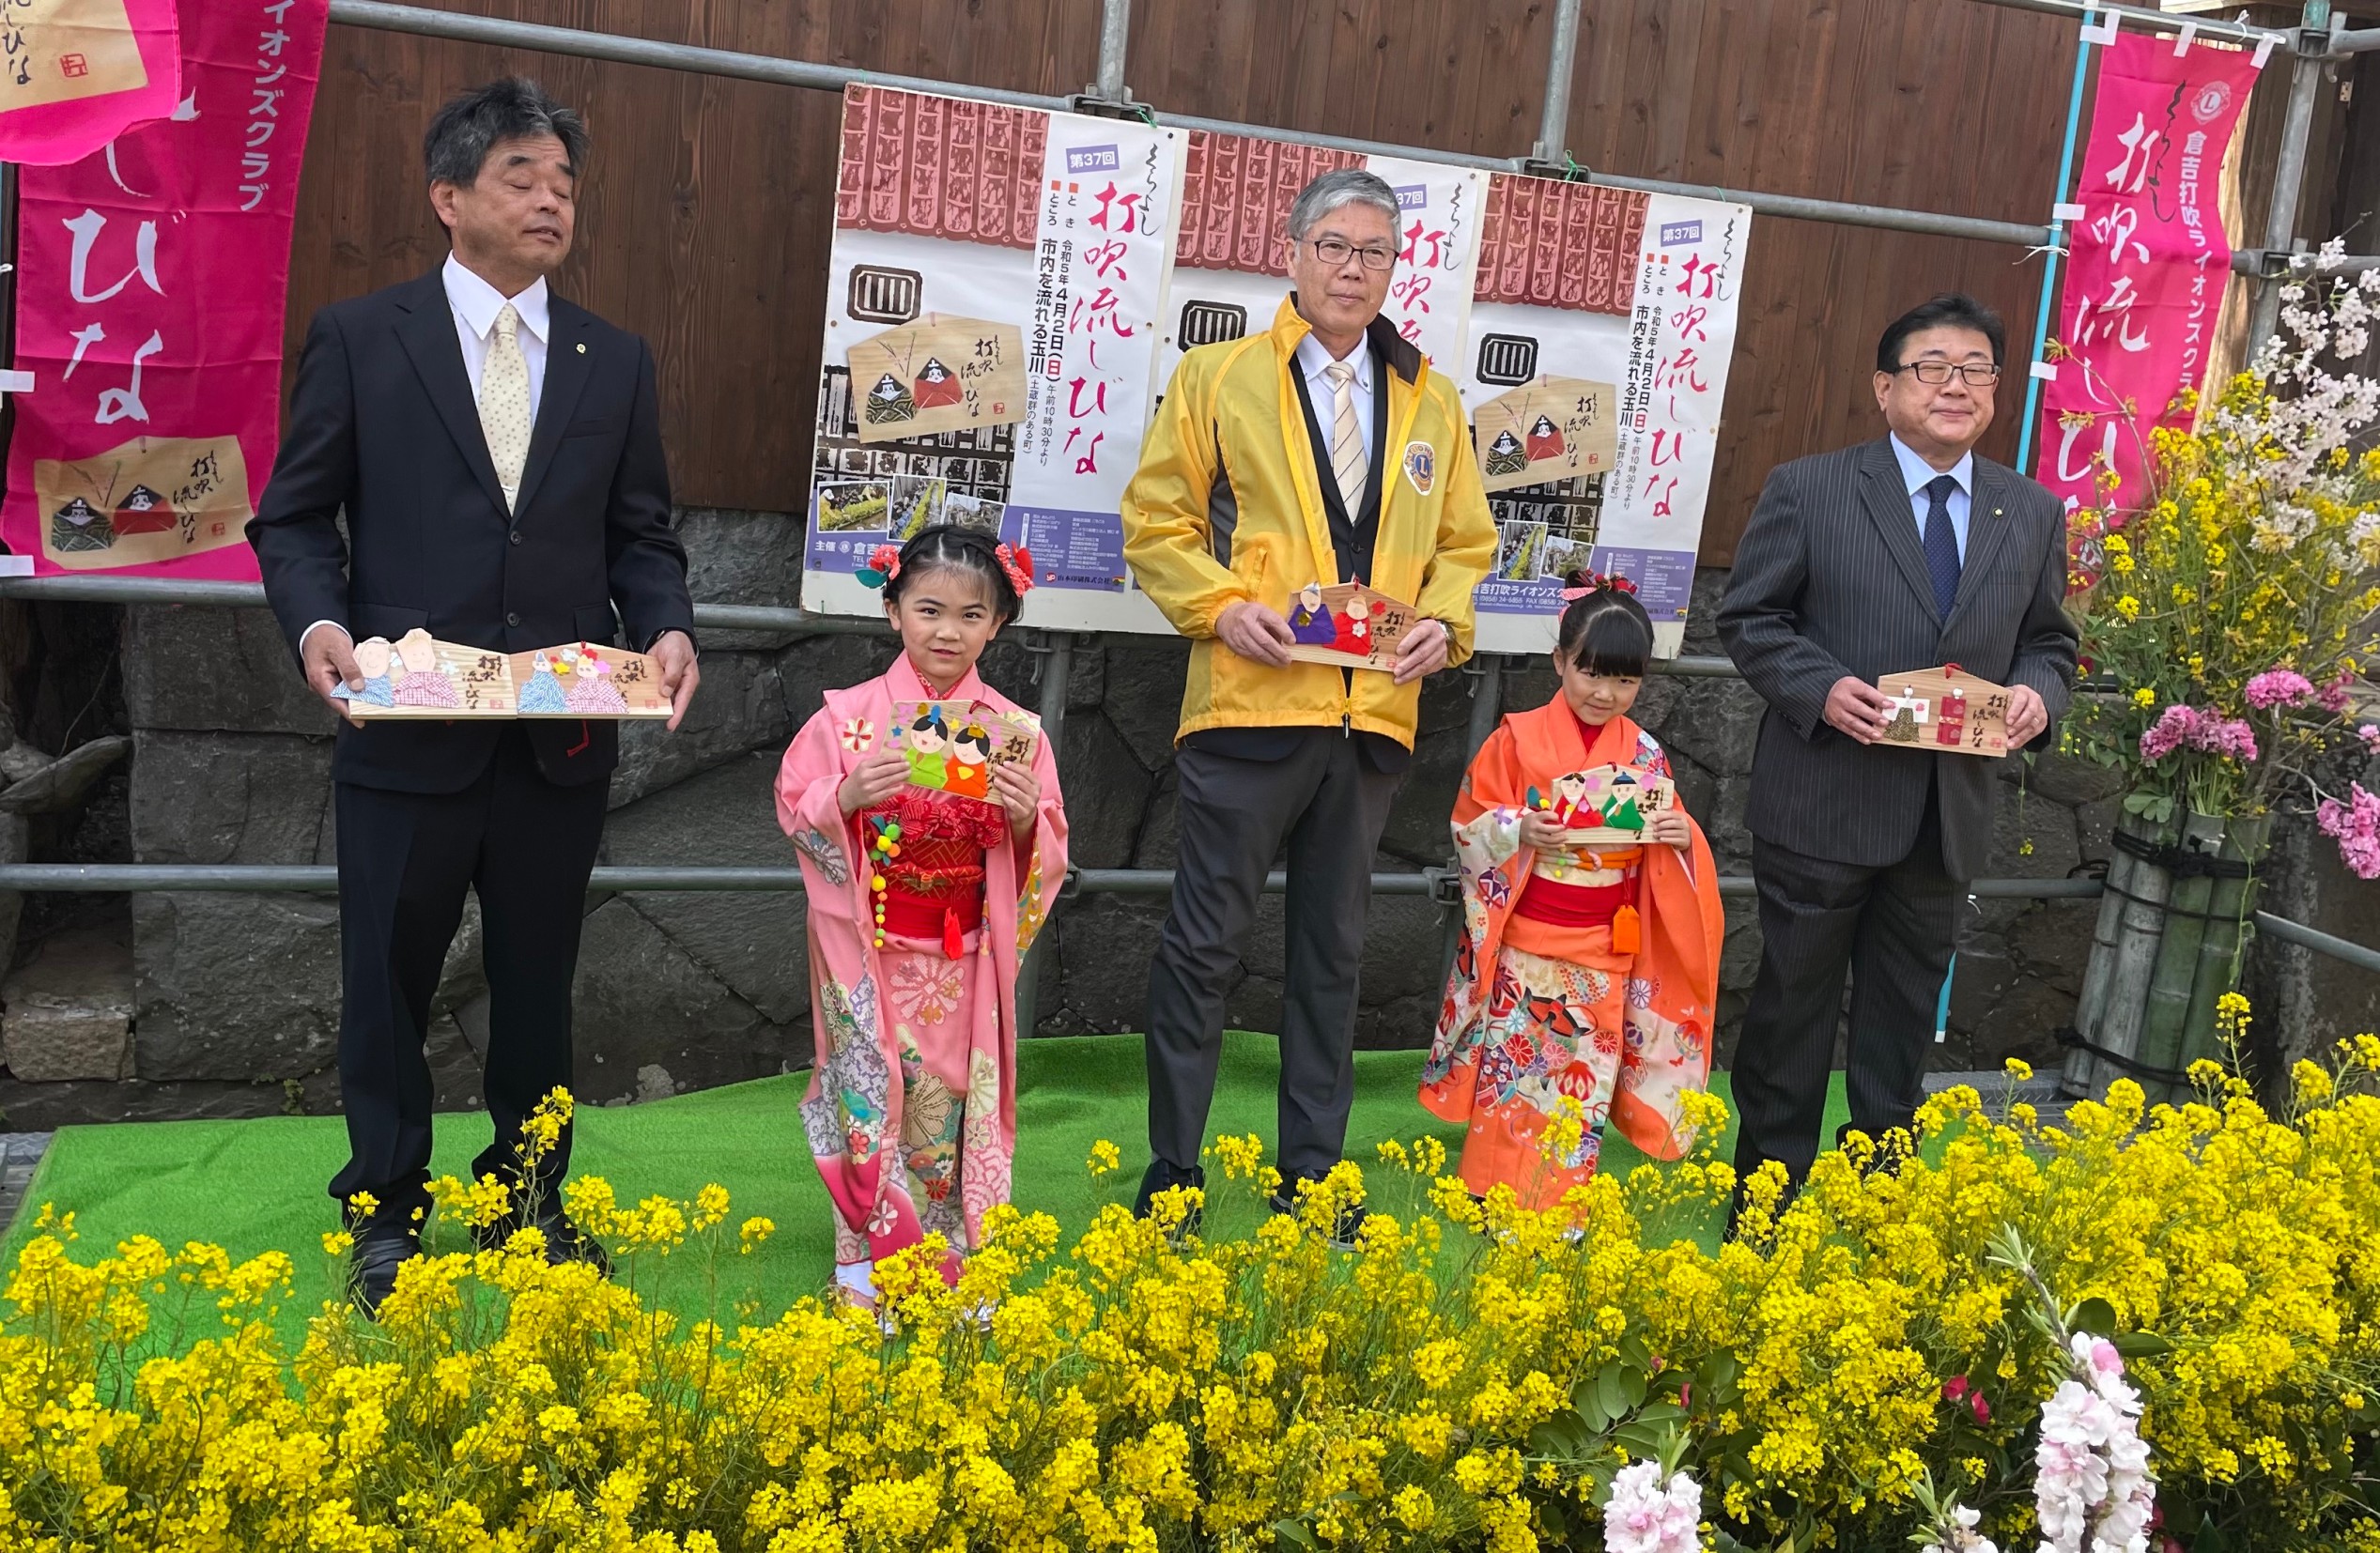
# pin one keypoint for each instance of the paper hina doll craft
(544, 692)
(921, 731)
(969, 771)
(591, 692)
(1609, 797)
(1946, 709)
(1310, 620)
(424, 681)
(372, 656)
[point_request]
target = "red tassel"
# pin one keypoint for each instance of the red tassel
(953, 940)
(1627, 931)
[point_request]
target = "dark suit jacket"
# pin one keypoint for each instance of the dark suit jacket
(1830, 579)
(382, 424)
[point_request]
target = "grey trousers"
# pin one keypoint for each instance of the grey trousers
(1324, 799)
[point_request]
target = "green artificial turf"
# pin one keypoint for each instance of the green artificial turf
(258, 1185)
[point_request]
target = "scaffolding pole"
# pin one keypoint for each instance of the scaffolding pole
(1553, 117)
(2289, 174)
(1115, 31)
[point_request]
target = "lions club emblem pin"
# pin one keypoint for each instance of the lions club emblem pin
(1421, 466)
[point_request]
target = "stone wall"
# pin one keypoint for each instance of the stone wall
(237, 998)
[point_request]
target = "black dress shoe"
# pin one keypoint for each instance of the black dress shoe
(382, 1244)
(564, 1243)
(1160, 1177)
(1344, 1229)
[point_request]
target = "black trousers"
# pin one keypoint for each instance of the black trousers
(1330, 805)
(1894, 928)
(405, 861)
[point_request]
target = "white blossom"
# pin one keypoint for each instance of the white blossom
(1642, 1516)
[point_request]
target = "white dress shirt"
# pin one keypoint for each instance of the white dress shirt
(475, 304)
(1918, 474)
(1311, 358)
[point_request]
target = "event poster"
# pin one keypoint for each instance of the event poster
(1601, 326)
(2145, 284)
(1588, 332)
(152, 282)
(993, 297)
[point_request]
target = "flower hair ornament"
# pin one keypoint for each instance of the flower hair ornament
(1017, 561)
(1596, 582)
(884, 565)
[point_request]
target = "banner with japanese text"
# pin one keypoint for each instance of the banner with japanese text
(992, 301)
(2145, 285)
(1601, 329)
(74, 74)
(151, 290)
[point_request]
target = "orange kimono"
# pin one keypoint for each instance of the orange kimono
(1542, 1005)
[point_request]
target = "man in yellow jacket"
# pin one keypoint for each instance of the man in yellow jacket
(1324, 451)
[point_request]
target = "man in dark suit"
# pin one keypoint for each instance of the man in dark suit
(497, 453)
(1903, 553)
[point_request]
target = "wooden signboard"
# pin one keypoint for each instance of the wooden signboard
(1349, 625)
(419, 676)
(938, 374)
(1593, 803)
(1946, 709)
(953, 747)
(1550, 428)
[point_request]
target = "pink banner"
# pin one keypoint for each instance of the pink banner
(2150, 259)
(151, 284)
(74, 74)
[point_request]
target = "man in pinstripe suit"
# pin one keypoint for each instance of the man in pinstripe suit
(1901, 553)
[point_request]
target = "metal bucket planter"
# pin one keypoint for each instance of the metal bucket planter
(2167, 948)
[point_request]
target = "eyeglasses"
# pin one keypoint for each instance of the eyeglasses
(1335, 251)
(1935, 374)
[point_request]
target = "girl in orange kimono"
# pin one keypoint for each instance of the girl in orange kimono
(1585, 971)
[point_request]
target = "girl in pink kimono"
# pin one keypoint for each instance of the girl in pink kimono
(921, 903)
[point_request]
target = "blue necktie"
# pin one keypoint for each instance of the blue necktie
(1941, 542)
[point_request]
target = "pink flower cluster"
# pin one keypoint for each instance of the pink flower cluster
(1645, 1516)
(2182, 727)
(2370, 737)
(2279, 687)
(2355, 824)
(2093, 1488)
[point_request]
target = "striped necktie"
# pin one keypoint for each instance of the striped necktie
(1346, 437)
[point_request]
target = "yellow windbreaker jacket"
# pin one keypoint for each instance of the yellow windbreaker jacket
(1226, 505)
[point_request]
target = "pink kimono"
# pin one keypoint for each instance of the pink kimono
(911, 1110)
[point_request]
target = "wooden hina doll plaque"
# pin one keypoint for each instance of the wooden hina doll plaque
(1946, 709)
(1348, 624)
(1593, 803)
(954, 746)
(419, 676)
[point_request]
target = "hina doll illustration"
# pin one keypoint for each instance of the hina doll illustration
(592, 693)
(145, 512)
(1545, 438)
(1504, 456)
(544, 692)
(936, 385)
(422, 682)
(888, 403)
(927, 744)
(80, 526)
(1310, 620)
(969, 771)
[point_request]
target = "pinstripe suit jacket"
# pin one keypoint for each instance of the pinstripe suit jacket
(1830, 579)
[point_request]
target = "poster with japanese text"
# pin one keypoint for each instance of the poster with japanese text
(151, 288)
(994, 294)
(2137, 315)
(1602, 321)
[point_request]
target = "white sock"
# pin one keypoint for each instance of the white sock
(857, 1277)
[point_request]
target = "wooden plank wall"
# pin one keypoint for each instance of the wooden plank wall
(704, 218)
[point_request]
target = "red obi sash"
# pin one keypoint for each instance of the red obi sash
(1560, 905)
(934, 878)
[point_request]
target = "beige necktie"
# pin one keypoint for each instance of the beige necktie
(504, 403)
(1346, 437)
